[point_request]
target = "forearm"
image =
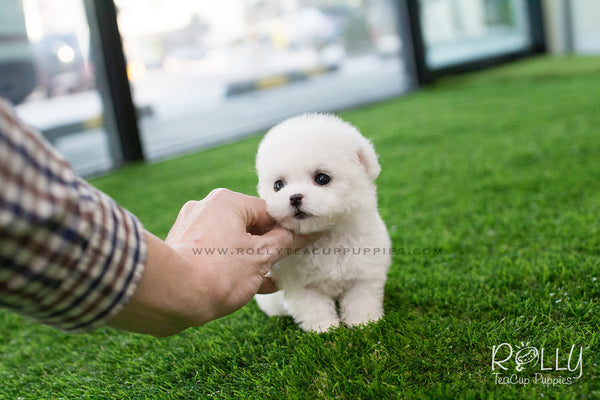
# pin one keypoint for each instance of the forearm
(70, 256)
(171, 296)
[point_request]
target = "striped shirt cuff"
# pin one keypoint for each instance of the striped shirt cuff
(70, 256)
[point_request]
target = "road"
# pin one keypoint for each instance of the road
(191, 111)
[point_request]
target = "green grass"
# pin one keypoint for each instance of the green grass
(500, 170)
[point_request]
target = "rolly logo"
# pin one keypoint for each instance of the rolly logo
(526, 355)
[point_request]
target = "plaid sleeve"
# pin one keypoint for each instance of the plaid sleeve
(70, 257)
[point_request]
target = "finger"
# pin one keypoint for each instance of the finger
(253, 211)
(263, 225)
(184, 219)
(258, 221)
(267, 286)
(284, 238)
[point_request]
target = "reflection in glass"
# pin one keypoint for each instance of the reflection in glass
(586, 26)
(45, 71)
(208, 72)
(457, 31)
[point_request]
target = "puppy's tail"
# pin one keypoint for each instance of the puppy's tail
(272, 304)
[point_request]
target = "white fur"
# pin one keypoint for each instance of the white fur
(345, 210)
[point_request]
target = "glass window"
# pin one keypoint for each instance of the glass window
(586, 26)
(45, 71)
(208, 72)
(458, 31)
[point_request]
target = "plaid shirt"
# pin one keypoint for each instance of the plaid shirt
(70, 256)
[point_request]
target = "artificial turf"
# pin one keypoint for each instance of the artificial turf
(491, 192)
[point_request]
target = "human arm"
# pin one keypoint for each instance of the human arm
(212, 263)
(72, 258)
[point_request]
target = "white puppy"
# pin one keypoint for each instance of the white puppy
(316, 174)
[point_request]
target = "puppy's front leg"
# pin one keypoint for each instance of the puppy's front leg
(311, 309)
(362, 303)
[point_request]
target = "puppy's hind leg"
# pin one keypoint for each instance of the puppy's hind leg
(272, 304)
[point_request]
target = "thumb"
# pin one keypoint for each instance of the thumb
(267, 286)
(280, 238)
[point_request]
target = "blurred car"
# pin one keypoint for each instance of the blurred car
(62, 68)
(17, 61)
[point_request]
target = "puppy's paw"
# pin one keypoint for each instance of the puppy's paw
(319, 326)
(355, 318)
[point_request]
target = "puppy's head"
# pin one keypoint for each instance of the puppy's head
(315, 170)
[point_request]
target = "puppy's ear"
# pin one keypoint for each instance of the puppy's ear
(368, 158)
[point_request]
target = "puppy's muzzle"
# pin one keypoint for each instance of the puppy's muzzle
(296, 200)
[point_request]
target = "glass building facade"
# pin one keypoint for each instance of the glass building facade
(202, 73)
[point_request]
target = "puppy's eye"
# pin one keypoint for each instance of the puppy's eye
(322, 179)
(278, 185)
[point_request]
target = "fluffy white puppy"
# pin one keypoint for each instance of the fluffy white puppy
(316, 174)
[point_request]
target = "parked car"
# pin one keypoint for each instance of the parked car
(62, 68)
(18, 76)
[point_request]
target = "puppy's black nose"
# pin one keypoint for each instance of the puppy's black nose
(296, 199)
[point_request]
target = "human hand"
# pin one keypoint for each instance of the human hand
(232, 235)
(212, 262)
